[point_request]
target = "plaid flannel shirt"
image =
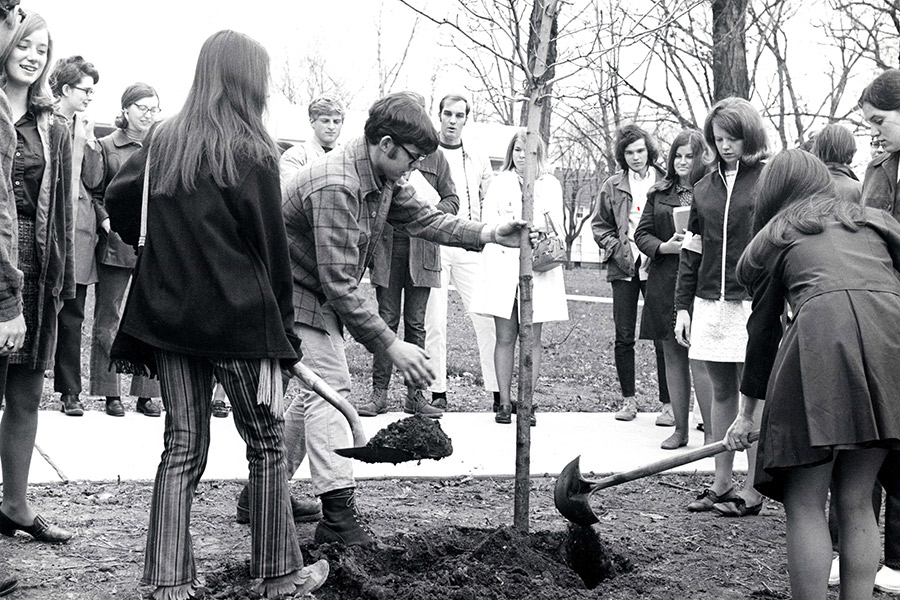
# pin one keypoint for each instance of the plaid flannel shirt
(10, 275)
(334, 211)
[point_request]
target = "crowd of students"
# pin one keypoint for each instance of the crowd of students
(783, 286)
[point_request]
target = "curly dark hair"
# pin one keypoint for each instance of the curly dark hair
(629, 134)
(69, 71)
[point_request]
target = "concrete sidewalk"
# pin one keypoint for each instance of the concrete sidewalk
(97, 447)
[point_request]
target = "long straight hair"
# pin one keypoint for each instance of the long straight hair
(796, 194)
(687, 137)
(519, 136)
(221, 124)
(40, 97)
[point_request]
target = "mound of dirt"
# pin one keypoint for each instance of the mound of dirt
(463, 564)
(420, 437)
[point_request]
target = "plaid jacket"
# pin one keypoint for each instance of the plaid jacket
(334, 211)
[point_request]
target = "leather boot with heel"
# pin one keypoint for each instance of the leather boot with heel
(340, 522)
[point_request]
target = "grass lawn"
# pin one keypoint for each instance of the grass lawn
(578, 372)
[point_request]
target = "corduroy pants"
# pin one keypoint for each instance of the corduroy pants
(186, 384)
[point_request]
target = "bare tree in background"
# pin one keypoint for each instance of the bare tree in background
(873, 27)
(729, 51)
(305, 79)
(389, 70)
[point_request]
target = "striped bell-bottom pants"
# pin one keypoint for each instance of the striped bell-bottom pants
(186, 385)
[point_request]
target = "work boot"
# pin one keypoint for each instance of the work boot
(377, 404)
(304, 511)
(628, 411)
(416, 404)
(439, 400)
(340, 522)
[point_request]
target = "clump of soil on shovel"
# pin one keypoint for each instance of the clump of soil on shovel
(466, 564)
(420, 436)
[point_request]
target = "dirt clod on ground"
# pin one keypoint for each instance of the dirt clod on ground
(458, 564)
(420, 436)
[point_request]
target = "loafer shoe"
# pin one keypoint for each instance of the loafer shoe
(71, 405)
(628, 411)
(887, 580)
(114, 407)
(707, 498)
(666, 418)
(219, 409)
(504, 415)
(147, 407)
(40, 530)
(674, 441)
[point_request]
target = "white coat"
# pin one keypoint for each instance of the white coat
(499, 285)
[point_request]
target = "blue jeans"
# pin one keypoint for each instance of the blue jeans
(625, 311)
(414, 300)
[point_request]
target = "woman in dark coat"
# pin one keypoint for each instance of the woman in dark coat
(211, 297)
(830, 380)
(41, 176)
(657, 238)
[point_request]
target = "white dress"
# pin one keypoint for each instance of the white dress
(499, 286)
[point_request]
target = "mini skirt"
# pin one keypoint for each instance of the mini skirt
(719, 330)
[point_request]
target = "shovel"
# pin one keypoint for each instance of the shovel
(360, 450)
(573, 492)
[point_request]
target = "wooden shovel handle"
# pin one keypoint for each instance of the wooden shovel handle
(310, 378)
(665, 464)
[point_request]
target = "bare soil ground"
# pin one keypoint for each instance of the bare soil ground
(437, 539)
(443, 538)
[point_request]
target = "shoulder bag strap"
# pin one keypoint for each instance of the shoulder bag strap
(144, 196)
(549, 222)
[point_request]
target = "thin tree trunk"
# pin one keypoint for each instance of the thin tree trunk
(730, 76)
(537, 94)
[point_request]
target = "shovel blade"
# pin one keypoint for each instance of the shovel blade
(377, 454)
(572, 495)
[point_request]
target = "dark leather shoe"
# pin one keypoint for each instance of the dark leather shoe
(71, 405)
(114, 407)
(8, 585)
(304, 511)
(219, 409)
(40, 530)
(148, 407)
(504, 415)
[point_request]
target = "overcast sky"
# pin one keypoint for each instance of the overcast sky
(158, 42)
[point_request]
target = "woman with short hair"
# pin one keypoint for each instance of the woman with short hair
(116, 259)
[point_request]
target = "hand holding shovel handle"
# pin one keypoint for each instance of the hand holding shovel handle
(305, 374)
(572, 492)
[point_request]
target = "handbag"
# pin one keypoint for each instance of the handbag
(549, 251)
(128, 354)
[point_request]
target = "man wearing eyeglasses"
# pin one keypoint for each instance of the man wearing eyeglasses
(334, 211)
(12, 323)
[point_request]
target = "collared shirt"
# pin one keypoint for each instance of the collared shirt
(334, 211)
(28, 165)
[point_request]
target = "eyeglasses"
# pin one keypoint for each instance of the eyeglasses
(876, 143)
(87, 91)
(414, 157)
(153, 110)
